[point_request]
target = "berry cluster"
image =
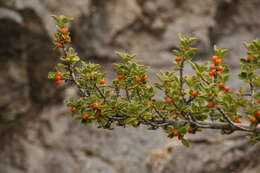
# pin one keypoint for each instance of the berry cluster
(217, 68)
(62, 37)
(58, 77)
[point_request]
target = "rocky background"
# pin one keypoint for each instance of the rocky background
(37, 135)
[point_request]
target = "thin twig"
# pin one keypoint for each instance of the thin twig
(139, 96)
(181, 81)
(252, 91)
(73, 76)
(209, 125)
(127, 94)
(158, 112)
(101, 93)
(230, 121)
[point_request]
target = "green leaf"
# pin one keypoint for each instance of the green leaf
(220, 52)
(185, 142)
(61, 19)
(51, 75)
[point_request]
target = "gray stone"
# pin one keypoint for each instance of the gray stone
(38, 135)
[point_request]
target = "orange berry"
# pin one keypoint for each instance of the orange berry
(57, 82)
(66, 37)
(120, 77)
(73, 109)
(102, 81)
(226, 88)
(175, 133)
(145, 77)
(250, 58)
(257, 113)
(148, 102)
(212, 67)
(190, 130)
(168, 100)
(237, 120)
(211, 105)
(95, 106)
(221, 85)
(258, 101)
(214, 58)
(219, 72)
(219, 68)
(58, 74)
(64, 30)
(57, 78)
(85, 117)
(194, 93)
(218, 61)
(59, 45)
(138, 79)
(252, 119)
(212, 73)
(58, 39)
(178, 59)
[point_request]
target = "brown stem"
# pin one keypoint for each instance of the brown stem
(73, 76)
(101, 93)
(208, 125)
(127, 94)
(181, 81)
(230, 121)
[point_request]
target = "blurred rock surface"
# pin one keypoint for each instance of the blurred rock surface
(37, 135)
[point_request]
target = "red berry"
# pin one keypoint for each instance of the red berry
(211, 105)
(237, 120)
(120, 77)
(138, 79)
(252, 119)
(194, 93)
(85, 117)
(212, 67)
(258, 101)
(190, 130)
(221, 85)
(257, 113)
(57, 82)
(250, 58)
(59, 45)
(102, 81)
(58, 74)
(212, 73)
(219, 68)
(148, 102)
(73, 109)
(175, 133)
(66, 37)
(145, 77)
(214, 58)
(58, 39)
(168, 100)
(94, 106)
(64, 30)
(218, 61)
(57, 78)
(226, 88)
(178, 59)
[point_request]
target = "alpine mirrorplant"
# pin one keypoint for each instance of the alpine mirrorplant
(189, 103)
